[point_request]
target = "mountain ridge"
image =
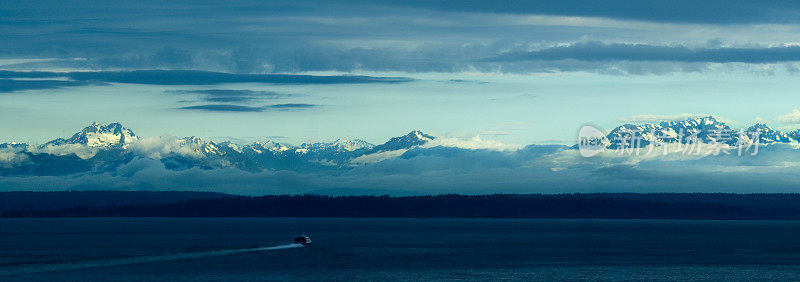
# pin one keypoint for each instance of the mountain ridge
(706, 129)
(103, 148)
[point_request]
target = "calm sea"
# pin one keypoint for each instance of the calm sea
(224, 249)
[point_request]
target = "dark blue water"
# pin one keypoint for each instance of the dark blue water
(143, 249)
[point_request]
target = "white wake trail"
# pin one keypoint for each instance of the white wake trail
(37, 268)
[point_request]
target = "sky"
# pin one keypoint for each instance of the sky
(517, 71)
(511, 72)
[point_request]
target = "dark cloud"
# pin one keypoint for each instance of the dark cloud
(683, 11)
(240, 108)
(291, 106)
(11, 85)
(232, 95)
(187, 77)
(16, 80)
(467, 81)
(223, 108)
(353, 35)
(598, 51)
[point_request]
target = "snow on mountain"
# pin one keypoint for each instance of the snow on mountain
(104, 146)
(102, 136)
(393, 148)
(228, 147)
(629, 135)
(705, 129)
(794, 134)
(12, 154)
(262, 147)
(14, 145)
(332, 154)
(210, 148)
(351, 145)
(413, 138)
(338, 146)
(100, 145)
(768, 135)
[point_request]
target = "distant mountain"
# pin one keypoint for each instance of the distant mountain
(413, 138)
(704, 129)
(261, 147)
(208, 148)
(14, 145)
(100, 136)
(104, 147)
(768, 135)
(338, 146)
(350, 145)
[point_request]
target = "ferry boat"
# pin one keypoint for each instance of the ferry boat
(303, 240)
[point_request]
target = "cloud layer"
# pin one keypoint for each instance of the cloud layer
(231, 95)
(435, 169)
(598, 51)
(791, 118)
(223, 108)
(715, 11)
(354, 36)
(240, 108)
(11, 81)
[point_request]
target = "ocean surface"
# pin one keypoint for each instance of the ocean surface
(248, 249)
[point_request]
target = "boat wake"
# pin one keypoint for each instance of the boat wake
(47, 267)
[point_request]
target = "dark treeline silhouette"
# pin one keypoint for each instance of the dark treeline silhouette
(24, 200)
(593, 205)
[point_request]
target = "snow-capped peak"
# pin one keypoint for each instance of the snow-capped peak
(704, 129)
(268, 146)
(340, 145)
(413, 138)
(352, 145)
(99, 135)
(200, 146)
(420, 135)
(761, 127)
(229, 146)
(766, 134)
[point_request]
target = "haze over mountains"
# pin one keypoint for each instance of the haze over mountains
(102, 147)
(110, 156)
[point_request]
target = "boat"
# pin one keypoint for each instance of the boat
(303, 240)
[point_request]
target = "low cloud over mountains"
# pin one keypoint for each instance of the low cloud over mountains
(112, 157)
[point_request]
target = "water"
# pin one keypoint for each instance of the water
(224, 249)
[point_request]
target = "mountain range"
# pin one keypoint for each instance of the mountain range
(104, 148)
(702, 129)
